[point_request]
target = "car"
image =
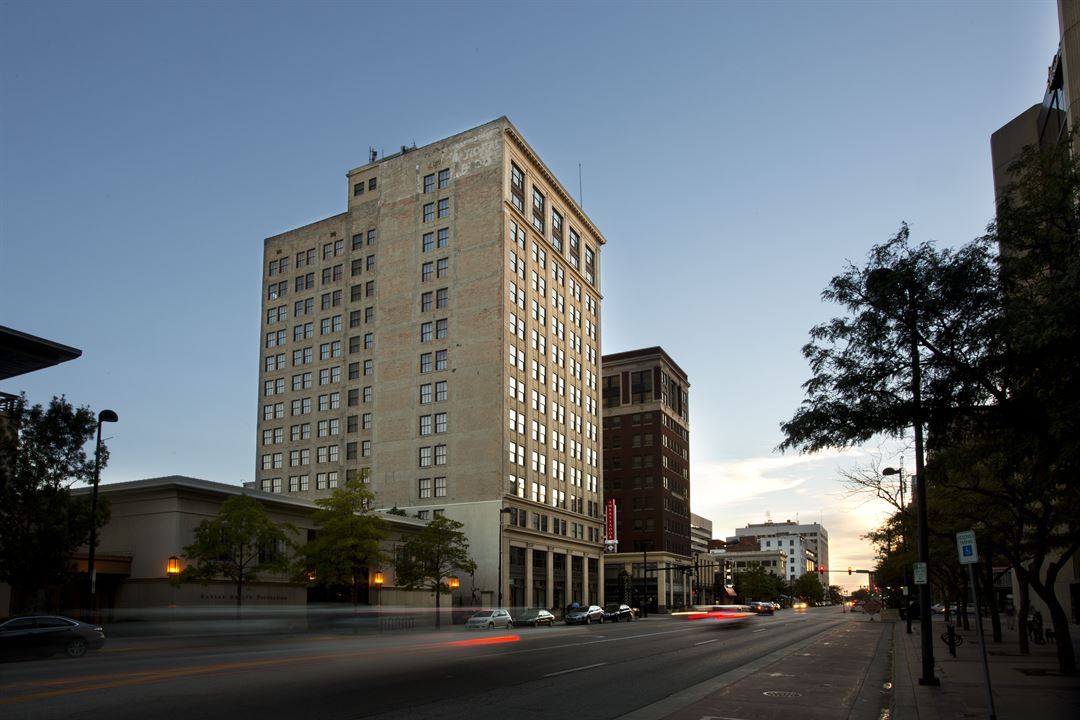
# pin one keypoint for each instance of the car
(798, 605)
(489, 619)
(532, 616)
(584, 615)
(618, 611)
(46, 635)
(762, 608)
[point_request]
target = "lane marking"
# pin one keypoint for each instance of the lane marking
(577, 669)
(706, 642)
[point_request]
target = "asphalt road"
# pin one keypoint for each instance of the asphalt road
(597, 671)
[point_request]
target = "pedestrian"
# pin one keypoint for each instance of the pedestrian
(1010, 617)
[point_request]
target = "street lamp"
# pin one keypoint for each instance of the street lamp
(907, 603)
(103, 417)
(172, 566)
(880, 277)
(502, 511)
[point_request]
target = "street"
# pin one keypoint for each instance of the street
(597, 671)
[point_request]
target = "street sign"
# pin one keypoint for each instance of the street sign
(965, 546)
(920, 573)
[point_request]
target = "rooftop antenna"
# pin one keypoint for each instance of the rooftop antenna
(373, 154)
(768, 518)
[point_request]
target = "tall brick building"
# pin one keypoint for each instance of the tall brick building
(647, 472)
(444, 332)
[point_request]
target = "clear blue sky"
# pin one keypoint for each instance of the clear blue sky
(735, 155)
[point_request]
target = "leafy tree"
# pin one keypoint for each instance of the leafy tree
(239, 544)
(42, 455)
(757, 583)
(430, 557)
(808, 587)
(347, 538)
(834, 594)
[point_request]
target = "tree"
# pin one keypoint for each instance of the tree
(808, 587)
(239, 544)
(41, 523)
(430, 557)
(756, 583)
(347, 538)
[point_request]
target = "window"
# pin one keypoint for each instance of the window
(440, 422)
(575, 250)
(590, 265)
(444, 207)
(442, 267)
(517, 187)
(371, 184)
(440, 454)
(425, 425)
(538, 211)
(358, 189)
(427, 242)
(425, 332)
(444, 237)
(441, 328)
(444, 178)
(369, 367)
(425, 393)
(369, 341)
(429, 212)
(370, 263)
(423, 488)
(440, 359)
(357, 241)
(427, 301)
(440, 487)
(365, 421)
(556, 230)
(429, 183)
(369, 288)
(426, 271)
(425, 457)
(425, 362)
(440, 391)
(357, 267)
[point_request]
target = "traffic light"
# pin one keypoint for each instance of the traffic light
(848, 569)
(821, 568)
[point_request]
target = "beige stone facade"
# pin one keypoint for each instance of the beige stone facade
(444, 332)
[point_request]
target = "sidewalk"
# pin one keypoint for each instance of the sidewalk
(1025, 686)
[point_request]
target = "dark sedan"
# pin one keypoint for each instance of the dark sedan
(585, 615)
(614, 612)
(45, 635)
(532, 617)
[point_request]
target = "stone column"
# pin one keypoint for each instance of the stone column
(549, 571)
(585, 580)
(528, 575)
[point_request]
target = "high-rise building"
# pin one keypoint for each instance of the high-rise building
(443, 332)
(647, 474)
(806, 546)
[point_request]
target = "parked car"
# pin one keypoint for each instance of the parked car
(615, 612)
(762, 608)
(584, 615)
(488, 619)
(532, 616)
(45, 635)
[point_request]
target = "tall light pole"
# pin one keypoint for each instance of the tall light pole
(907, 603)
(881, 277)
(103, 417)
(499, 594)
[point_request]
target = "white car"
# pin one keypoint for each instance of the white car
(488, 619)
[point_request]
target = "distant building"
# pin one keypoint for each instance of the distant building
(646, 412)
(806, 546)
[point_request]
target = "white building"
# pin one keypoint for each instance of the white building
(806, 545)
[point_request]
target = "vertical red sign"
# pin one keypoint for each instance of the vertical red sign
(610, 537)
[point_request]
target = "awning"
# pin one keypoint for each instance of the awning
(729, 591)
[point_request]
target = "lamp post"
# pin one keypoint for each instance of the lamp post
(499, 593)
(907, 602)
(881, 277)
(103, 417)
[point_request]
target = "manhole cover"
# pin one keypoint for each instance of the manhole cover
(781, 694)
